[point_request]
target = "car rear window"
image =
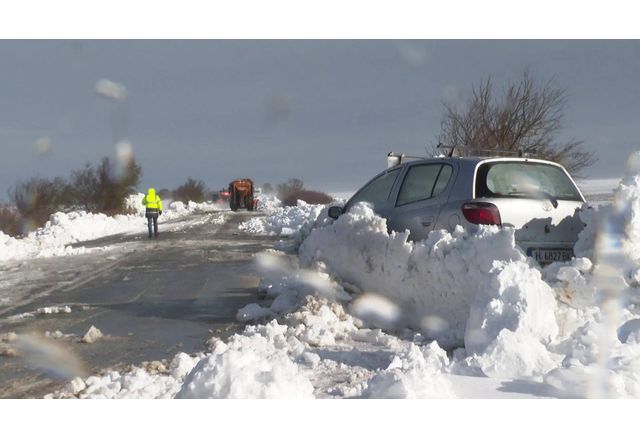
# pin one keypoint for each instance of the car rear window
(524, 180)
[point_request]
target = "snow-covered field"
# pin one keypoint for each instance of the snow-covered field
(367, 314)
(596, 186)
(63, 229)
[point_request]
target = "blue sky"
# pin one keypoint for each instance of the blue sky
(326, 111)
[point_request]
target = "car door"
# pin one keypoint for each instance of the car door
(376, 192)
(423, 191)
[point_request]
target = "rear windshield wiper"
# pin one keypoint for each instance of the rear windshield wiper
(540, 195)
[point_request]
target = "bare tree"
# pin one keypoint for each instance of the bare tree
(291, 187)
(37, 198)
(526, 118)
(191, 190)
(102, 188)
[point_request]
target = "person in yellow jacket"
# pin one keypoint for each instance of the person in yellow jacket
(153, 204)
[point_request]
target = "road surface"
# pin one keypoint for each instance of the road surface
(152, 298)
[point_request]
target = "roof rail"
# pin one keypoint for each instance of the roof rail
(395, 158)
(453, 148)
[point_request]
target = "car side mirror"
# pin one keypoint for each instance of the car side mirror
(335, 211)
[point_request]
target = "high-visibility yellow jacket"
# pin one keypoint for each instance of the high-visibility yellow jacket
(152, 201)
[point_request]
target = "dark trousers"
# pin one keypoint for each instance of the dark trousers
(152, 221)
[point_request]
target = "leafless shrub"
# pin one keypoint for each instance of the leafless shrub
(191, 190)
(36, 199)
(164, 193)
(285, 190)
(311, 197)
(104, 188)
(527, 117)
(115, 187)
(10, 221)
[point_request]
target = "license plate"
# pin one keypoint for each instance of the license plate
(549, 255)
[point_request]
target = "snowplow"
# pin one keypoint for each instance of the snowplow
(222, 196)
(241, 195)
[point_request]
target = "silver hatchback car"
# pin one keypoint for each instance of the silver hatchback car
(537, 197)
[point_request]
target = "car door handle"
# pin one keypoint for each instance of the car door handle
(426, 222)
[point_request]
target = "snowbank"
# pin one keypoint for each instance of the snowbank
(289, 286)
(62, 229)
(285, 221)
(268, 202)
(152, 380)
(316, 351)
(178, 209)
(433, 281)
(255, 364)
(415, 373)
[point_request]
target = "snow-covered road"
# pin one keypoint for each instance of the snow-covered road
(346, 309)
(149, 299)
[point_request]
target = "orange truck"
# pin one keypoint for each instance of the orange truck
(241, 194)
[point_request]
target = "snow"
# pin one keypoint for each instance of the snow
(268, 202)
(595, 186)
(515, 355)
(92, 335)
(431, 281)
(509, 327)
(63, 229)
(513, 298)
(413, 373)
(316, 351)
(151, 380)
(285, 221)
(253, 311)
(629, 332)
(252, 365)
(55, 309)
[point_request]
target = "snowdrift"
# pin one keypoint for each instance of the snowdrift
(62, 229)
(435, 281)
(285, 221)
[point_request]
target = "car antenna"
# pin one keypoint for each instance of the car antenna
(451, 151)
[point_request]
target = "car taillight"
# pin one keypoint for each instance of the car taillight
(481, 213)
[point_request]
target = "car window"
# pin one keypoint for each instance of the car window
(443, 180)
(423, 182)
(377, 191)
(524, 180)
